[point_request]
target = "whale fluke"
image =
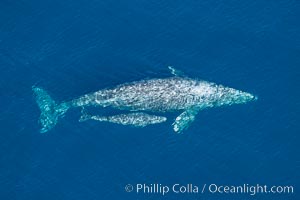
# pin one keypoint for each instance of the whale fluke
(50, 111)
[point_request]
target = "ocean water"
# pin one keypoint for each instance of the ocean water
(74, 47)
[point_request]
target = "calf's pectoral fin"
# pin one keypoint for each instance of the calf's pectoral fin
(184, 120)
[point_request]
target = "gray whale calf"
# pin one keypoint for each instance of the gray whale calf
(137, 119)
(174, 94)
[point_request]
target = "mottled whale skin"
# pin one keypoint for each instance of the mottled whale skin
(173, 94)
(136, 119)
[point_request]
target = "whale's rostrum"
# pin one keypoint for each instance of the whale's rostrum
(174, 94)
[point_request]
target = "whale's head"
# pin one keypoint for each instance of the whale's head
(229, 96)
(213, 95)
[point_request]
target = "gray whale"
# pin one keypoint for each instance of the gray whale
(137, 119)
(176, 93)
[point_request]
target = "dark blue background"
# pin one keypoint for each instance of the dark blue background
(74, 47)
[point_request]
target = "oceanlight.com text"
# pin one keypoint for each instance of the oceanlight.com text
(248, 189)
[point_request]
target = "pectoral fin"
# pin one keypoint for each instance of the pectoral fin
(175, 72)
(184, 120)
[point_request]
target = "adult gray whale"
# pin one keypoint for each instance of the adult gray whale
(176, 93)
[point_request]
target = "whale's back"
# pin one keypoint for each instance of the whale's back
(155, 94)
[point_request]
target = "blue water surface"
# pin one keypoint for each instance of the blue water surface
(74, 47)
